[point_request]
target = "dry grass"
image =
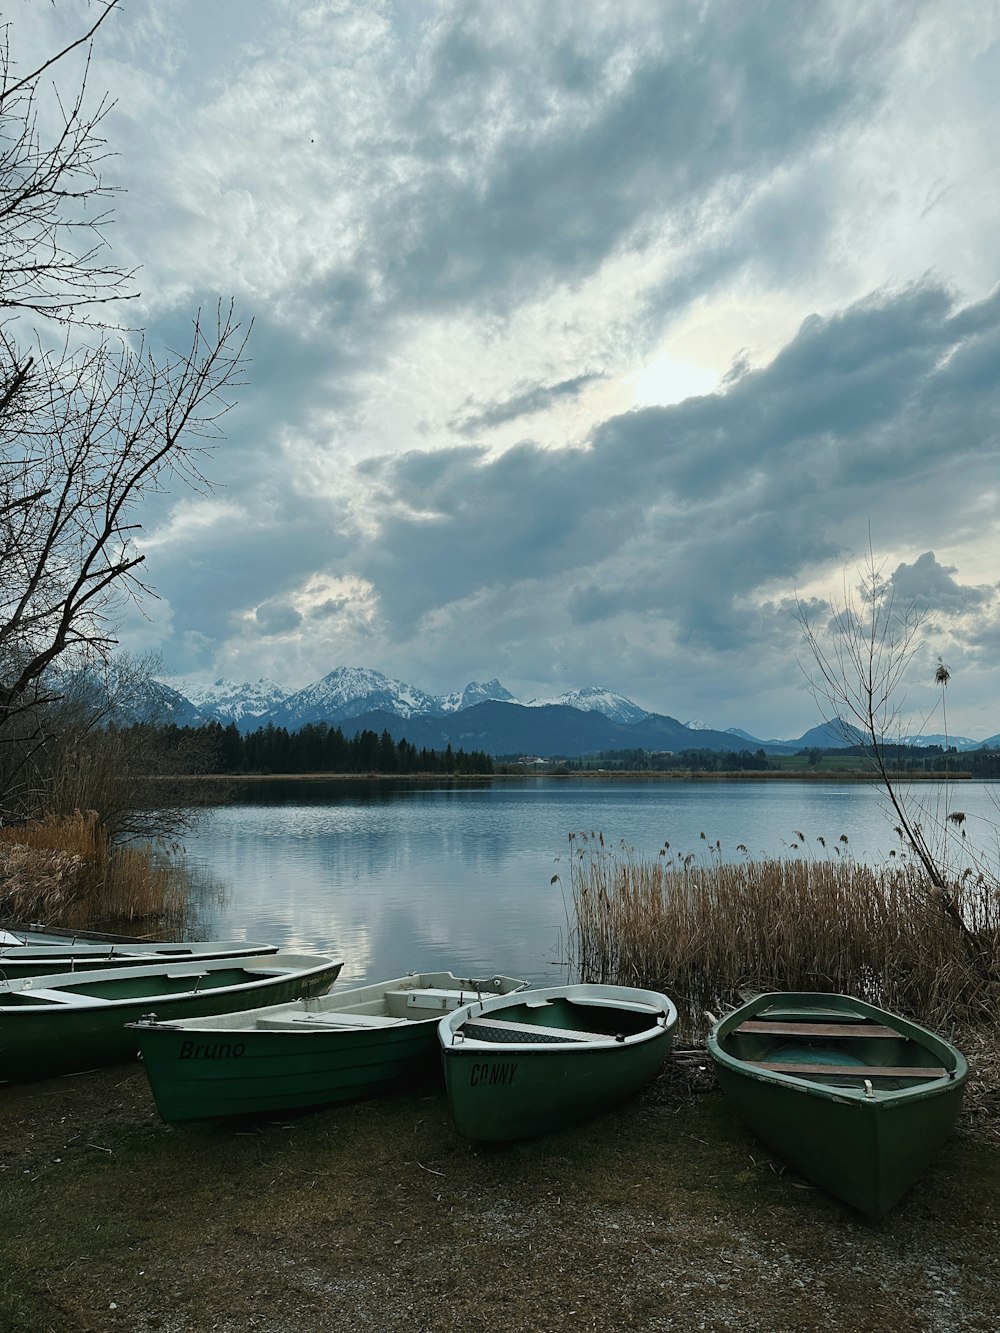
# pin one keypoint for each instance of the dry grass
(66, 871)
(377, 1217)
(705, 932)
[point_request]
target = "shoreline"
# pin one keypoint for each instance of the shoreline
(593, 775)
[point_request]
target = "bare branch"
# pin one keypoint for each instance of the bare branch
(90, 428)
(8, 91)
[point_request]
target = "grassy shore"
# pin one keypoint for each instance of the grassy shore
(590, 774)
(664, 1215)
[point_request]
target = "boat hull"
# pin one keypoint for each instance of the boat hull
(69, 1022)
(199, 1076)
(261, 1062)
(864, 1145)
(502, 1091)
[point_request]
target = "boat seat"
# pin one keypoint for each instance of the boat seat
(504, 1026)
(331, 1020)
(821, 1072)
(62, 996)
(836, 1030)
(433, 997)
(630, 1006)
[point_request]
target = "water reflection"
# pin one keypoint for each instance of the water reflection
(400, 876)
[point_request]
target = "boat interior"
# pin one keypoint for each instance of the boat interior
(393, 1004)
(395, 1008)
(836, 1047)
(538, 1019)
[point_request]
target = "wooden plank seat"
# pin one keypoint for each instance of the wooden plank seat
(435, 997)
(76, 998)
(832, 1030)
(820, 1072)
(501, 1028)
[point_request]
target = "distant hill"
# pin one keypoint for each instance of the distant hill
(547, 730)
(481, 716)
(834, 735)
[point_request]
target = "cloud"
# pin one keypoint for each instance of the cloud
(277, 617)
(927, 585)
(471, 235)
(705, 501)
(526, 402)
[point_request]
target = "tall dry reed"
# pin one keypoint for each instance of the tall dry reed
(67, 872)
(708, 932)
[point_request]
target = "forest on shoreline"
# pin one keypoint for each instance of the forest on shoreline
(318, 749)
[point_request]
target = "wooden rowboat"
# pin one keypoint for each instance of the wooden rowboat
(36, 959)
(61, 1023)
(34, 932)
(340, 1047)
(523, 1065)
(854, 1098)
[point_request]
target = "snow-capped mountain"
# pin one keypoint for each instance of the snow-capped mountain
(483, 715)
(225, 701)
(476, 693)
(946, 742)
(118, 693)
(349, 692)
(591, 699)
(739, 733)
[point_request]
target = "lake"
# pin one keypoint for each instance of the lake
(398, 877)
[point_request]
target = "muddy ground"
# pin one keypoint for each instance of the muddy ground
(664, 1215)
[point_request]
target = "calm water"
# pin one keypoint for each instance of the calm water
(398, 878)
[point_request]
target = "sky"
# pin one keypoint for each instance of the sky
(590, 339)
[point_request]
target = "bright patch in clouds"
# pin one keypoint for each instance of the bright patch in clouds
(190, 521)
(669, 379)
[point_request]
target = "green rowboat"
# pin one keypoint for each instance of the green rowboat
(70, 1021)
(855, 1099)
(340, 1047)
(527, 1064)
(43, 959)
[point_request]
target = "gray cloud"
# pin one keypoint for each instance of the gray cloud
(528, 400)
(698, 505)
(714, 98)
(277, 617)
(927, 585)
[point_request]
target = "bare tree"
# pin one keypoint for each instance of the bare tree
(90, 422)
(860, 655)
(54, 204)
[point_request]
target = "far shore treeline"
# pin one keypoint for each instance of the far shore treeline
(321, 748)
(314, 748)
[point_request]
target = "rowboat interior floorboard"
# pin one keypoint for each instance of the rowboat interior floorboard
(837, 1030)
(503, 1027)
(851, 1071)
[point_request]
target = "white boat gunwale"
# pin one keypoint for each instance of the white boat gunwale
(651, 1003)
(66, 988)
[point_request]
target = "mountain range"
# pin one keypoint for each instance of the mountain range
(482, 716)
